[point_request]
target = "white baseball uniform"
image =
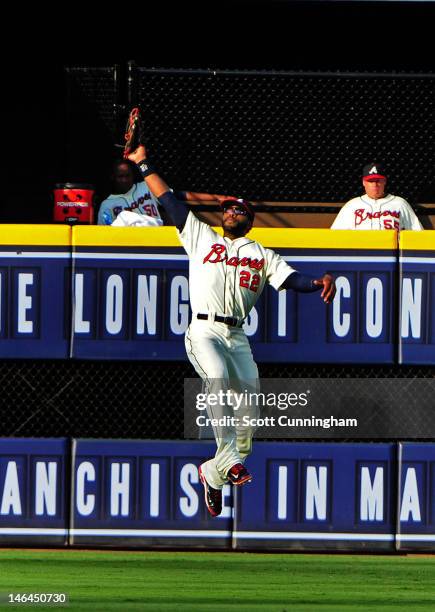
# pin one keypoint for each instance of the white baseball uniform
(364, 213)
(226, 278)
(138, 199)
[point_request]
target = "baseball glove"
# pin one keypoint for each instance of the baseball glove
(133, 132)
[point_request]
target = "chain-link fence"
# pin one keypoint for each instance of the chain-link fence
(289, 136)
(266, 135)
(128, 399)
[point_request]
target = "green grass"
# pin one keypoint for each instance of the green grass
(217, 582)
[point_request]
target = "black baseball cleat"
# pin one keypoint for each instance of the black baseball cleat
(239, 475)
(213, 497)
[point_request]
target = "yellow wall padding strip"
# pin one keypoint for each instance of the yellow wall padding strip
(103, 235)
(35, 235)
(417, 241)
(268, 237)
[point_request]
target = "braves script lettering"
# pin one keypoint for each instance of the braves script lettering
(218, 254)
(362, 215)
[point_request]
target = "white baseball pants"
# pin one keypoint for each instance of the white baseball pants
(222, 357)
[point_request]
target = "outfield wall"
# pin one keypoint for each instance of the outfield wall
(100, 493)
(122, 293)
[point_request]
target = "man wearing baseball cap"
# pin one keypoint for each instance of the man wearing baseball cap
(376, 209)
(227, 274)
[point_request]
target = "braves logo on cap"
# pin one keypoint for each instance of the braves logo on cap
(373, 170)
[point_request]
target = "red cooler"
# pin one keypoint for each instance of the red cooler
(73, 203)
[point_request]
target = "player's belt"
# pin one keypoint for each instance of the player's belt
(231, 321)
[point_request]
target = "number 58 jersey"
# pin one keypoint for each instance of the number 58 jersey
(227, 276)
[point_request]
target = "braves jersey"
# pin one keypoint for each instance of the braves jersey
(138, 199)
(390, 212)
(226, 277)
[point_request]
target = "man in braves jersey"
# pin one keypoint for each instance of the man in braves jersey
(128, 195)
(226, 277)
(376, 209)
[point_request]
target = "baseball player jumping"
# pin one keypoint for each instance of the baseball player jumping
(226, 277)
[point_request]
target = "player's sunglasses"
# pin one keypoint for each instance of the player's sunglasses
(236, 210)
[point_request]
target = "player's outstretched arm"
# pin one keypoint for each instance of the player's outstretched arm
(156, 184)
(177, 210)
(305, 284)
